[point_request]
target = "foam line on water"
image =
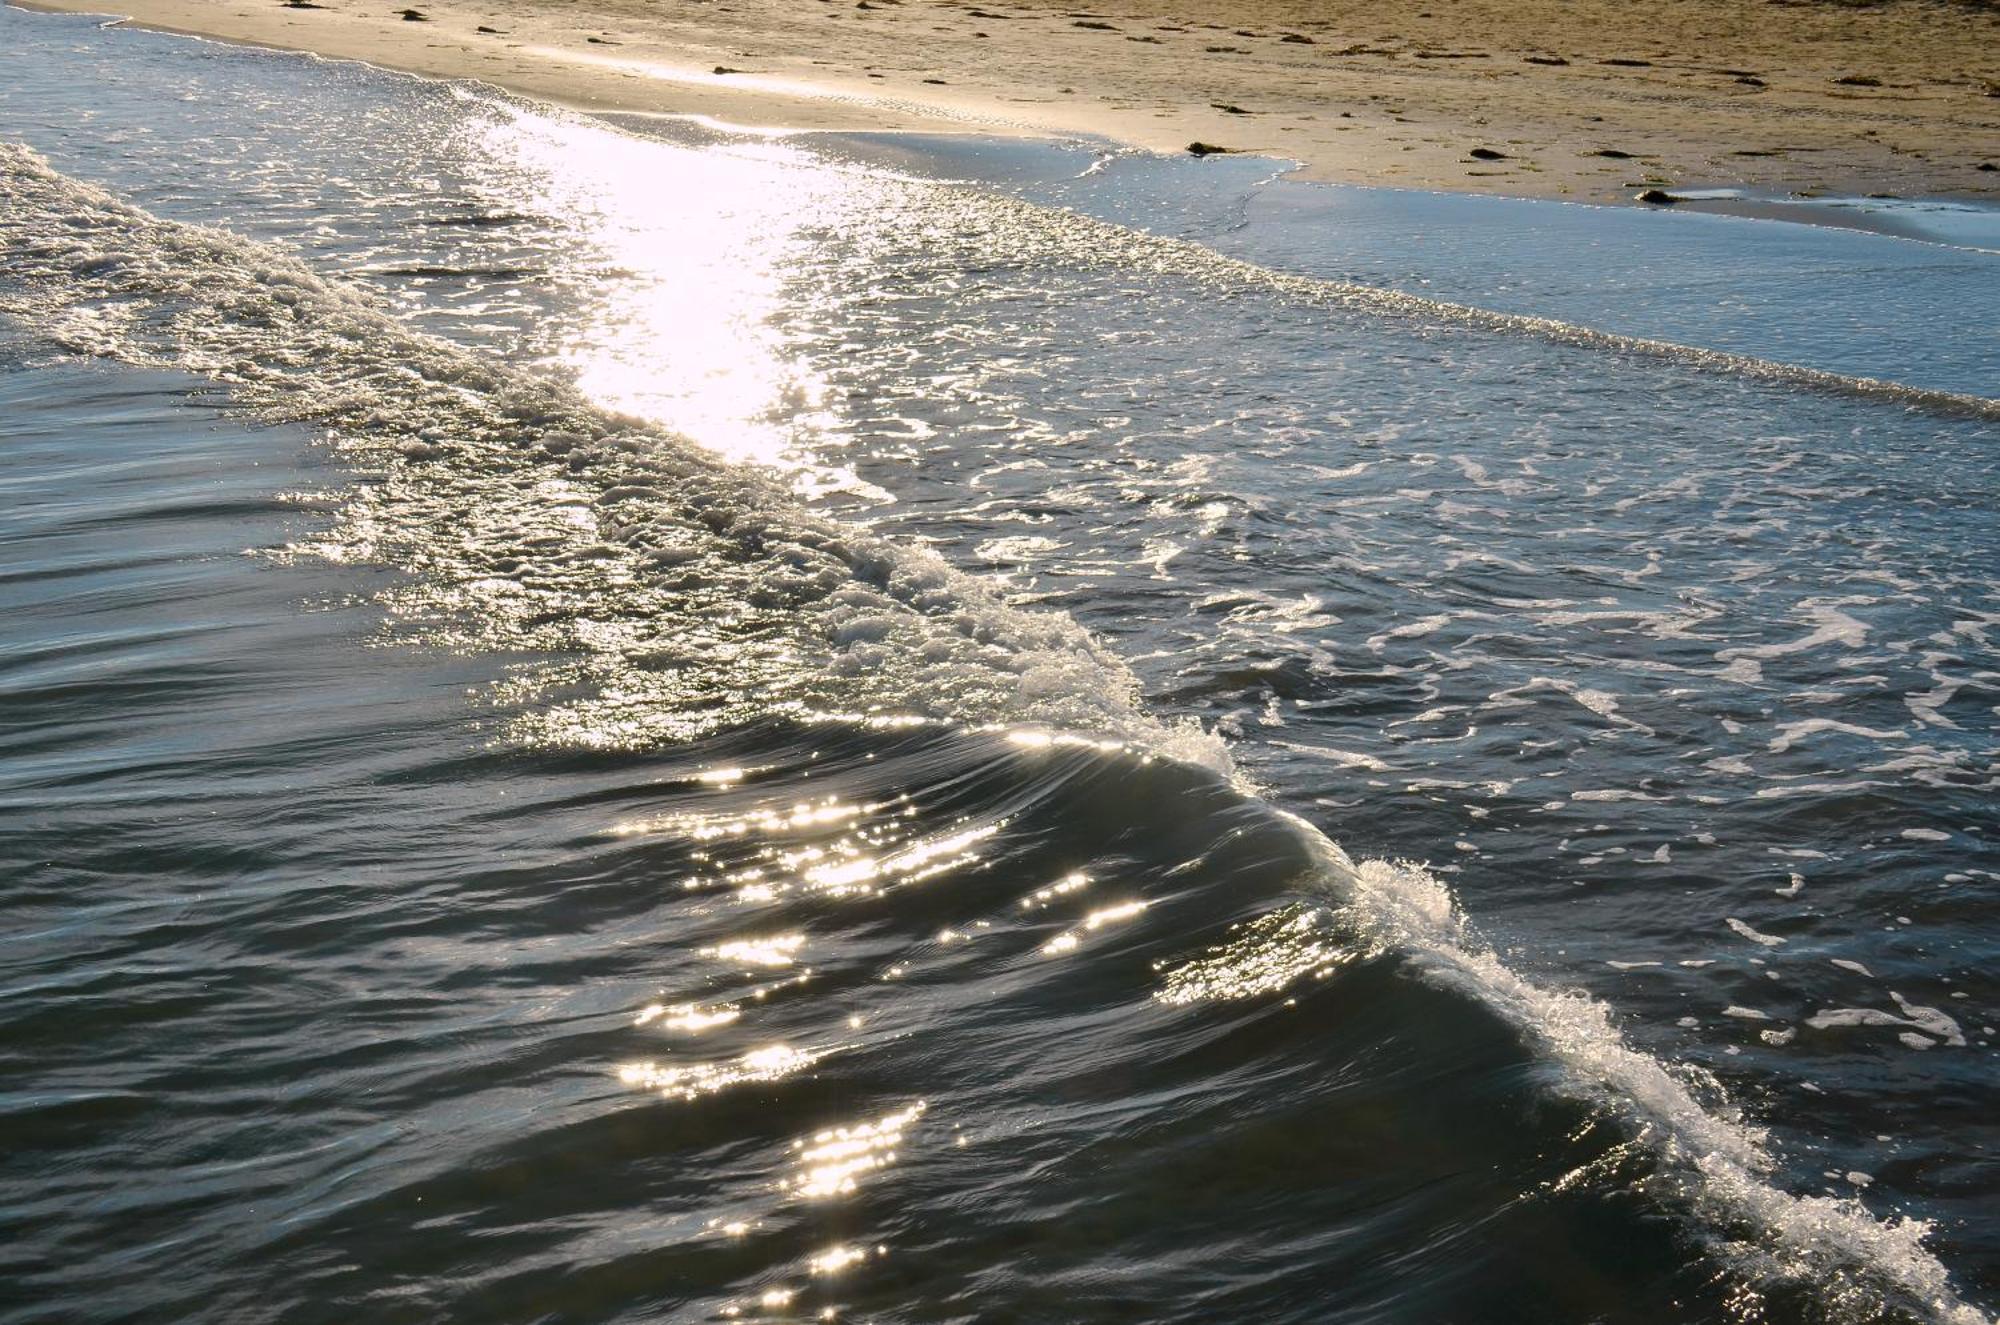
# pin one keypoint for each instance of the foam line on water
(497, 486)
(1710, 1162)
(1186, 257)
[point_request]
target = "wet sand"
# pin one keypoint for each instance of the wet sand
(1594, 100)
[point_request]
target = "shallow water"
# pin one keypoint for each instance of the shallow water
(477, 852)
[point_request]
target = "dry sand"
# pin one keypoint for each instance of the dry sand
(1589, 99)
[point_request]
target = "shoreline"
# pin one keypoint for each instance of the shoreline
(1509, 114)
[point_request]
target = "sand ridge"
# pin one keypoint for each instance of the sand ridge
(1587, 99)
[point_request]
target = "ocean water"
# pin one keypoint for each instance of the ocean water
(609, 720)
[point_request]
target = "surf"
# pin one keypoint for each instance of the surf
(690, 598)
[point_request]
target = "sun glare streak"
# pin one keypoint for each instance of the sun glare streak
(851, 850)
(1069, 939)
(769, 1063)
(686, 1016)
(834, 1162)
(688, 258)
(835, 1259)
(1069, 883)
(772, 950)
(1268, 955)
(769, 821)
(912, 864)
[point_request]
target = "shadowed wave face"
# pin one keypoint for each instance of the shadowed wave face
(596, 728)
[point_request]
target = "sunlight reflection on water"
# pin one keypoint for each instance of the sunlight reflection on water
(702, 243)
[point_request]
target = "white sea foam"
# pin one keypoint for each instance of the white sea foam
(1830, 626)
(1711, 1160)
(1926, 1019)
(1410, 630)
(1755, 936)
(1342, 758)
(1791, 733)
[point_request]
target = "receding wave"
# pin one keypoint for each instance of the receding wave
(1189, 259)
(678, 596)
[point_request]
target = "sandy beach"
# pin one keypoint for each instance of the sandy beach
(1593, 101)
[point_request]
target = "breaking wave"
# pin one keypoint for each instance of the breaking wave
(675, 596)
